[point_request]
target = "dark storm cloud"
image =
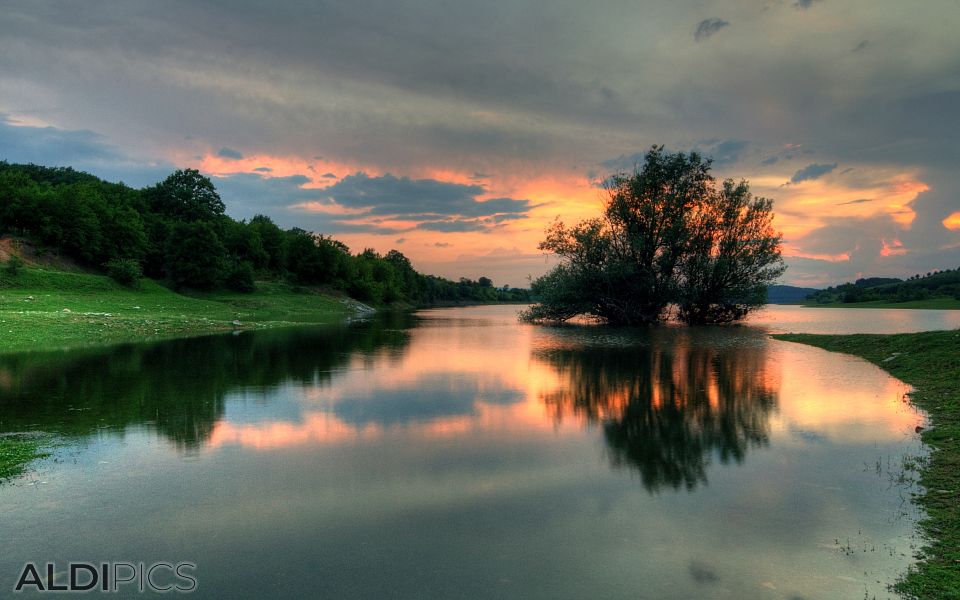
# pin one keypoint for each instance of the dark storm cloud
(229, 153)
(812, 171)
(708, 27)
(418, 198)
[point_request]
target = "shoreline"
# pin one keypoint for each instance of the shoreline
(930, 363)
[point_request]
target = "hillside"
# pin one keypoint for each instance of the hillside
(939, 287)
(788, 294)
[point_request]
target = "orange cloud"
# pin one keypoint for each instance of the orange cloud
(318, 171)
(952, 222)
(893, 248)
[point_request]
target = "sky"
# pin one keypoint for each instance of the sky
(456, 132)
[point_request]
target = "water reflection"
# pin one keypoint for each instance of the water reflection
(669, 400)
(460, 453)
(179, 387)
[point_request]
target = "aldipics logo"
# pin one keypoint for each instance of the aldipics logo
(108, 577)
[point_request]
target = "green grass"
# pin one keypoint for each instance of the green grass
(931, 363)
(46, 310)
(930, 304)
(16, 451)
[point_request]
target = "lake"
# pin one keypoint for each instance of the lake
(456, 453)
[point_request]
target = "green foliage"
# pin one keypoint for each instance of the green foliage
(125, 271)
(240, 277)
(194, 256)
(13, 266)
(177, 231)
(935, 285)
(186, 195)
(668, 235)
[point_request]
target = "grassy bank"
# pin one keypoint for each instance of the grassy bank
(17, 450)
(46, 309)
(930, 304)
(931, 363)
(43, 310)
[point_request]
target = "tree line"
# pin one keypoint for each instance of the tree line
(177, 232)
(935, 284)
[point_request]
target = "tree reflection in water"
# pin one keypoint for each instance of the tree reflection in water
(178, 387)
(669, 399)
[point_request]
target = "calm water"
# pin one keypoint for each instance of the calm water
(457, 453)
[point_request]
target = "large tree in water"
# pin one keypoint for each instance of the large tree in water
(669, 234)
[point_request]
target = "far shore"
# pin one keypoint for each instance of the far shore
(930, 304)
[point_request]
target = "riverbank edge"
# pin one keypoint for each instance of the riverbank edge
(930, 362)
(930, 304)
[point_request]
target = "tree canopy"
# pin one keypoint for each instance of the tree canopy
(669, 234)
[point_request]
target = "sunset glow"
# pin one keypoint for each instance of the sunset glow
(402, 144)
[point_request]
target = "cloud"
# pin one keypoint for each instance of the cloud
(82, 149)
(812, 171)
(453, 226)
(804, 4)
(328, 176)
(399, 240)
(485, 88)
(708, 27)
(248, 194)
(230, 153)
(419, 199)
(263, 170)
(862, 45)
(857, 201)
(722, 152)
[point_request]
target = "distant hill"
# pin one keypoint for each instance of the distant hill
(936, 284)
(788, 294)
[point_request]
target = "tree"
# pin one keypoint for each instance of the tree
(186, 196)
(733, 255)
(194, 256)
(668, 234)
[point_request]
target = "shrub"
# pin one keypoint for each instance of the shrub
(240, 277)
(14, 264)
(125, 271)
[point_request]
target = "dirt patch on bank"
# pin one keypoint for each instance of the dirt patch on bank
(36, 256)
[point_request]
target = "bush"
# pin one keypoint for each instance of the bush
(240, 277)
(125, 271)
(14, 264)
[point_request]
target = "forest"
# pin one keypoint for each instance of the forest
(935, 284)
(178, 233)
